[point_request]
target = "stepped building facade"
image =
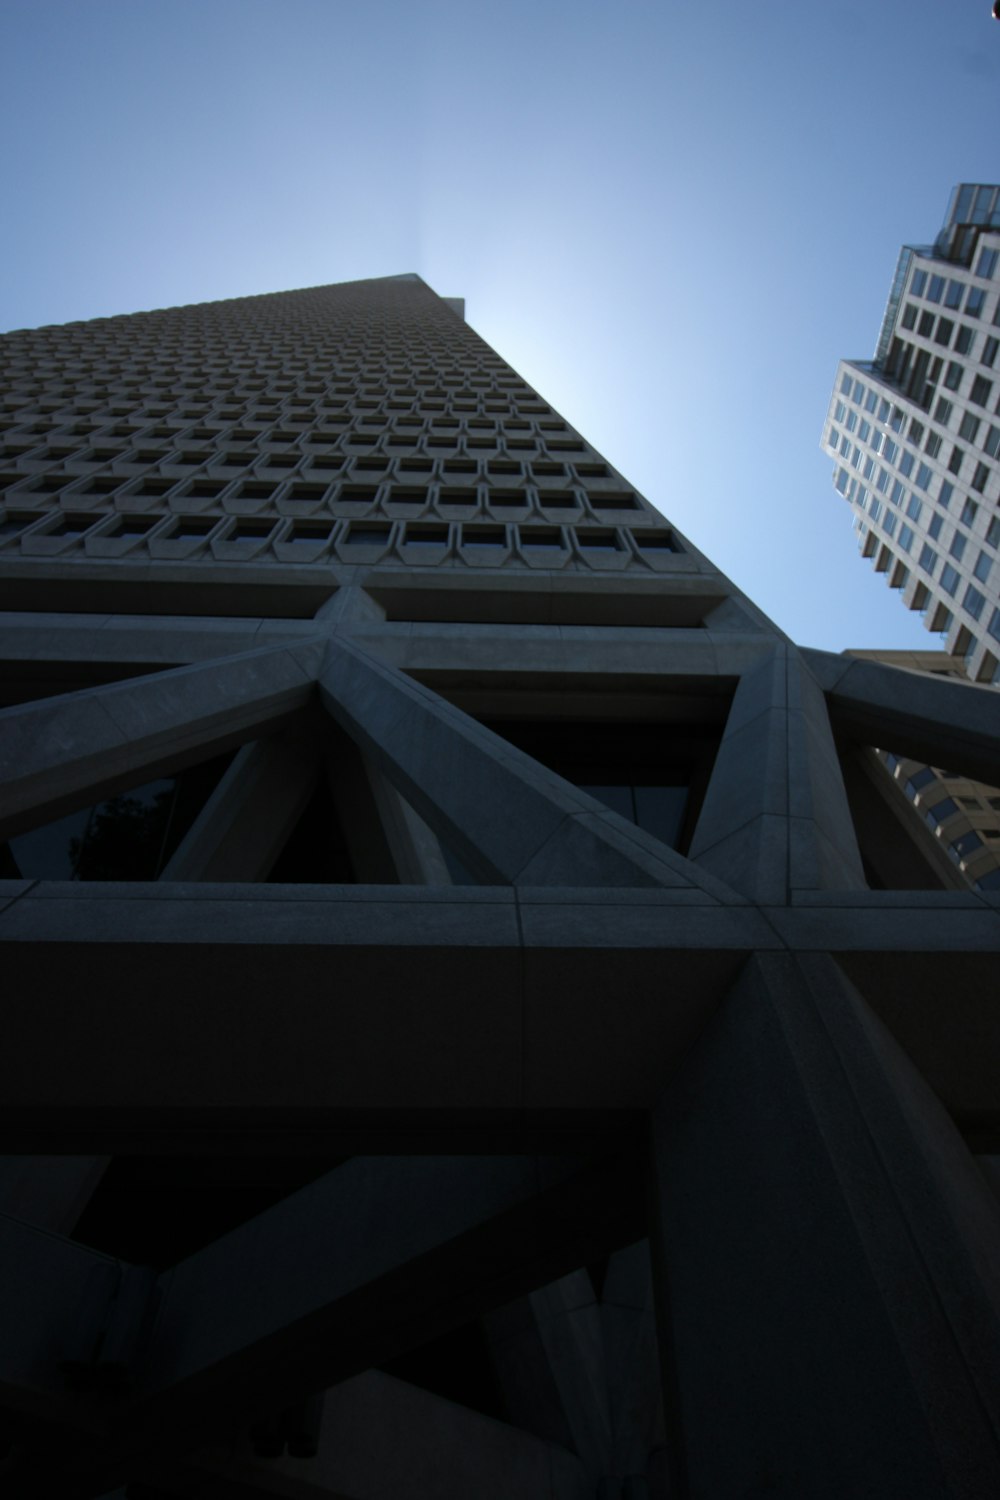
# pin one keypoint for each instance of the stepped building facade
(475, 1022)
(915, 432)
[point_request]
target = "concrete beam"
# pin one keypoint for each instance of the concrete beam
(827, 1257)
(368, 1262)
(245, 823)
(63, 752)
(775, 816)
(933, 719)
(508, 818)
(560, 1008)
(435, 1450)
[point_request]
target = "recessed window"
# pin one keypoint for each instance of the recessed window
(205, 489)
(12, 522)
(510, 499)
(982, 389)
(128, 528)
(302, 534)
(483, 536)
(655, 541)
(597, 540)
(367, 536)
(980, 477)
(457, 497)
(189, 530)
(541, 536)
(356, 494)
(427, 536)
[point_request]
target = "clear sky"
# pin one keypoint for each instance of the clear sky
(672, 218)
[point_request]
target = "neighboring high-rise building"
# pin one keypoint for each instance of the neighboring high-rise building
(915, 432)
(958, 818)
(473, 1020)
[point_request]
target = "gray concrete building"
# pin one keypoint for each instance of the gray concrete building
(474, 1024)
(915, 432)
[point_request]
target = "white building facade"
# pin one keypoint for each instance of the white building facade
(915, 433)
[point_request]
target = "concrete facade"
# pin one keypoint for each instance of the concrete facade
(472, 1025)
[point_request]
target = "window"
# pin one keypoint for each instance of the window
(923, 478)
(980, 477)
(852, 421)
(974, 302)
(926, 325)
(982, 390)
(936, 522)
(943, 332)
(897, 419)
(953, 375)
(839, 412)
(871, 401)
(942, 411)
(928, 559)
(982, 568)
(898, 491)
(883, 410)
(989, 354)
(945, 493)
(935, 289)
(969, 512)
(949, 579)
(973, 602)
(957, 547)
(963, 339)
(845, 385)
(858, 392)
(993, 532)
(916, 432)
(968, 427)
(955, 461)
(914, 508)
(890, 451)
(906, 463)
(992, 443)
(918, 283)
(864, 432)
(869, 468)
(994, 625)
(932, 447)
(987, 263)
(953, 296)
(905, 538)
(889, 523)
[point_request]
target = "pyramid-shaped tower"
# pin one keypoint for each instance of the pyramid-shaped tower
(474, 1023)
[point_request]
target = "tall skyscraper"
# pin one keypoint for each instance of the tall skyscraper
(915, 432)
(474, 1022)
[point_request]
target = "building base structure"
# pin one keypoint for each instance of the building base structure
(515, 1076)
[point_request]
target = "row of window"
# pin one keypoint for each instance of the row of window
(941, 330)
(321, 480)
(940, 289)
(252, 534)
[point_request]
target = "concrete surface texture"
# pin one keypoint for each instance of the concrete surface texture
(474, 1025)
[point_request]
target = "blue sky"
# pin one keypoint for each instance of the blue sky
(673, 218)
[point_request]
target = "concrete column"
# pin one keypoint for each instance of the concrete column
(827, 1258)
(776, 816)
(245, 824)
